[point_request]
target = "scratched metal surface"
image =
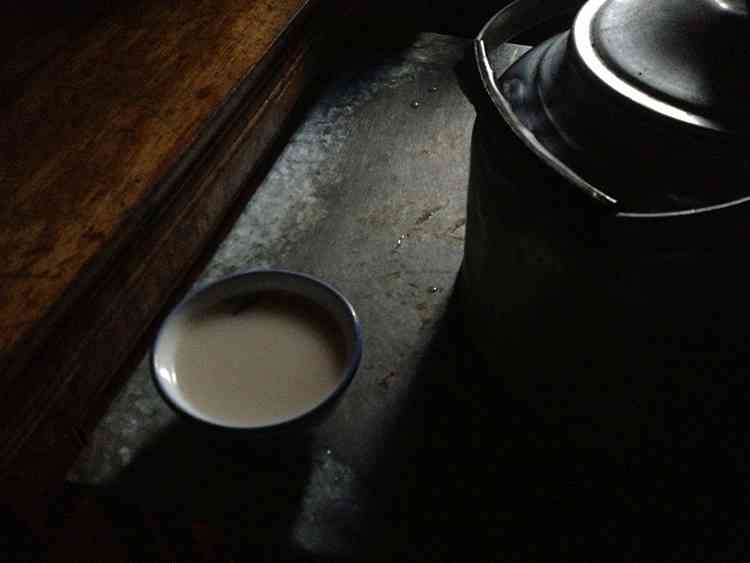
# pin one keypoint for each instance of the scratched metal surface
(426, 458)
(369, 195)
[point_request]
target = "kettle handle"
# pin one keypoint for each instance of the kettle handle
(504, 27)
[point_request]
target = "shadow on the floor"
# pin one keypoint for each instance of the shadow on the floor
(470, 474)
(201, 496)
(477, 476)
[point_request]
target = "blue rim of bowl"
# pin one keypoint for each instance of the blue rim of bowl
(351, 369)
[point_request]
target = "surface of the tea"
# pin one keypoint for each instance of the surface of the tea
(256, 361)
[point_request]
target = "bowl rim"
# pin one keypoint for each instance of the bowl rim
(353, 362)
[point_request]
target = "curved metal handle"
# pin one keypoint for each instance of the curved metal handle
(518, 17)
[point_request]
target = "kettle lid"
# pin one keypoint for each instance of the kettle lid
(645, 103)
(687, 60)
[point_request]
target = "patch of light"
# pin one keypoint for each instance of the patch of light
(583, 40)
(167, 375)
(730, 6)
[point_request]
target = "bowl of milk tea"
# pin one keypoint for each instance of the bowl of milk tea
(257, 351)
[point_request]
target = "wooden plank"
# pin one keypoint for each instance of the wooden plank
(125, 235)
(88, 146)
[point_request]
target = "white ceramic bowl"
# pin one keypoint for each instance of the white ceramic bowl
(247, 284)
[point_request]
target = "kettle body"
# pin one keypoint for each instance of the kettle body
(619, 328)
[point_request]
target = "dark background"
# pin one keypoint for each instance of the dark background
(32, 32)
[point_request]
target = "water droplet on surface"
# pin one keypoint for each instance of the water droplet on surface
(433, 89)
(415, 104)
(328, 452)
(399, 242)
(434, 289)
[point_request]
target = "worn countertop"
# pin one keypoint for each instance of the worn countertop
(369, 195)
(426, 458)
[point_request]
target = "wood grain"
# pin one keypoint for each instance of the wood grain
(88, 144)
(120, 164)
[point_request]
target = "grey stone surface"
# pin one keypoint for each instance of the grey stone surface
(427, 457)
(369, 194)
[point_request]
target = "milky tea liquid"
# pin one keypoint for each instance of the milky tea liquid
(257, 360)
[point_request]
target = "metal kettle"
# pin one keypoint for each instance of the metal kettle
(608, 219)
